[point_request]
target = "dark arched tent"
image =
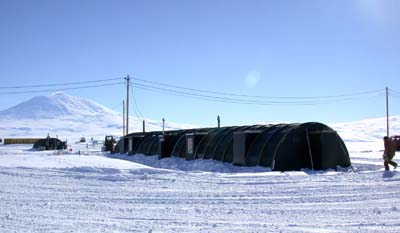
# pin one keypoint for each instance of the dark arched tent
(282, 147)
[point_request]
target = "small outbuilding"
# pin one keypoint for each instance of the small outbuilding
(50, 144)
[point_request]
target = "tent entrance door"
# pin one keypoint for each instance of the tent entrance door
(323, 149)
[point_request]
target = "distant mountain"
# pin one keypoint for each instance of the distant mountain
(69, 117)
(54, 106)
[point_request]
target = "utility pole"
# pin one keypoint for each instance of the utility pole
(123, 117)
(387, 112)
(219, 121)
(127, 104)
(163, 123)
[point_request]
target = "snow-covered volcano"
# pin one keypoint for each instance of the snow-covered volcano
(54, 106)
(69, 117)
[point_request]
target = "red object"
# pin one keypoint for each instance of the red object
(396, 140)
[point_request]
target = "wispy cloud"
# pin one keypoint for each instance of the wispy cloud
(252, 78)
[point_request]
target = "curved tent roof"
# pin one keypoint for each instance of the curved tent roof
(281, 147)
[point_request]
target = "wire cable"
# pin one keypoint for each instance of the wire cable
(207, 98)
(257, 96)
(60, 89)
(394, 91)
(136, 108)
(59, 84)
(394, 95)
(116, 106)
(236, 100)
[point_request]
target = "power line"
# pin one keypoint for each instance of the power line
(186, 94)
(116, 106)
(258, 96)
(394, 95)
(394, 91)
(59, 84)
(236, 100)
(60, 89)
(219, 99)
(136, 108)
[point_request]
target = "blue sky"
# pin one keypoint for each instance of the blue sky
(264, 48)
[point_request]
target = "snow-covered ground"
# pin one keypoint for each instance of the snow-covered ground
(84, 190)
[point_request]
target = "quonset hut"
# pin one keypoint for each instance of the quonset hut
(281, 147)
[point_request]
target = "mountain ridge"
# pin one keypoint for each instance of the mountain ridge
(54, 106)
(70, 117)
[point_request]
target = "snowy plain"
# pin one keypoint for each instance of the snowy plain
(86, 190)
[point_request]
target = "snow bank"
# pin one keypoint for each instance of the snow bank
(181, 164)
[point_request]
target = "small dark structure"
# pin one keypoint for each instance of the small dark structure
(50, 144)
(282, 147)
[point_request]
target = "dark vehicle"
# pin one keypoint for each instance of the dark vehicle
(50, 144)
(109, 143)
